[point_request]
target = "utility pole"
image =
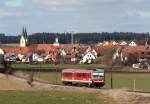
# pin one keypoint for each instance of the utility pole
(111, 79)
(71, 32)
(146, 39)
(111, 75)
(72, 38)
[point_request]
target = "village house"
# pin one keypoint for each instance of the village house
(37, 58)
(105, 43)
(71, 52)
(110, 43)
(62, 52)
(2, 51)
(132, 44)
(123, 43)
(99, 44)
(113, 43)
(139, 53)
(52, 55)
(89, 56)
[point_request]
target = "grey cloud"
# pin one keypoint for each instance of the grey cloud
(85, 15)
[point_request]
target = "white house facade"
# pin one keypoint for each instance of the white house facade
(114, 43)
(132, 43)
(88, 58)
(2, 52)
(122, 43)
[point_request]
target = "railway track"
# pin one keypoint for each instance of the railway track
(38, 81)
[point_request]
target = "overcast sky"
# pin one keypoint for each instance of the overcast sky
(74, 15)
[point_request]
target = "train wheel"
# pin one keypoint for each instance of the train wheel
(88, 85)
(65, 83)
(101, 85)
(70, 83)
(91, 85)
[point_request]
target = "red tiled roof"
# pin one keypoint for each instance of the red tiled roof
(136, 49)
(28, 49)
(81, 48)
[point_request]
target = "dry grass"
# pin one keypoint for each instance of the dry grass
(122, 96)
(14, 83)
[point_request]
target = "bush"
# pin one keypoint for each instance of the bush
(132, 59)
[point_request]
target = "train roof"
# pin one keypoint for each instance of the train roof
(99, 70)
(77, 71)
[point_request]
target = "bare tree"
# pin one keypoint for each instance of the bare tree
(30, 80)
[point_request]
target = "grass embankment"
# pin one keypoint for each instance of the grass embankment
(120, 80)
(51, 97)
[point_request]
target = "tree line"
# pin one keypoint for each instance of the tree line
(80, 38)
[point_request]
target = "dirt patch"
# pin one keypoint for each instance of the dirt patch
(124, 97)
(11, 83)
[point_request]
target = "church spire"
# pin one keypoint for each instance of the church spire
(24, 38)
(24, 32)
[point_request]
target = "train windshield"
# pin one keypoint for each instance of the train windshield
(98, 74)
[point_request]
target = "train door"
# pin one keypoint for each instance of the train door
(88, 76)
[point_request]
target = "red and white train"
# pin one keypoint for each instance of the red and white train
(89, 78)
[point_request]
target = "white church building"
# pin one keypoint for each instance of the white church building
(23, 39)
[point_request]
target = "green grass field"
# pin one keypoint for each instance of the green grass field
(51, 77)
(41, 66)
(126, 80)
(52, 97)
(120, 80)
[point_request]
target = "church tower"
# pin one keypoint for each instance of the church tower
(24, 38)
(56, 43)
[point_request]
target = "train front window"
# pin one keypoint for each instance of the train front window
(97, 74)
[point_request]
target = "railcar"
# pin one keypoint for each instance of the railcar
(86, 77)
